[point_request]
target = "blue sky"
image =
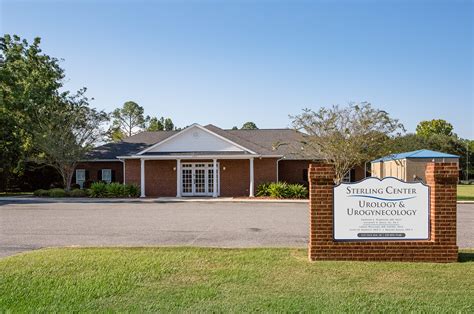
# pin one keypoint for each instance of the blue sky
(228, 62)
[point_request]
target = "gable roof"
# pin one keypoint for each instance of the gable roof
(286, 143)
(197, 128)
(422, 153)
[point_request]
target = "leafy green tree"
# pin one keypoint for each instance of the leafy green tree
(155, 124)
(66, 132)
(346, 137)
(29, 82)
(114, 134)
(235, 128)
(162, 124)
(10, 146)
(434, 127)
(129, 119)
(249, 126)
(168, 124)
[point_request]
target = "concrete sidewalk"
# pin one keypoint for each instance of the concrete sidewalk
(30, 199)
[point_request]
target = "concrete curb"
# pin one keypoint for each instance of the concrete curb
(144, 200)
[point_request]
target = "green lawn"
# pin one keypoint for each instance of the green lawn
(223, 280)
(466, 192)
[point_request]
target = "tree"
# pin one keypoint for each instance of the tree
(66, 131)
(235, 128)
(435, 126)
(155, 124)
(129, 119)
(115, 134)
(169, 125)
(346, 137)
(249, 126)
(29, 81)
(10, 146)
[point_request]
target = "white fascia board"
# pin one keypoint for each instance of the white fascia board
(174, 157)
(99, 160)
(189, 128)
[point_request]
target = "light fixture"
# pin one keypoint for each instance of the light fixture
(174, 168)
(223, 168)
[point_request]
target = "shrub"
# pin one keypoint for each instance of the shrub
(78, 193)
(132, 190)
(278, 189)
(56, 192)
(41, 193)
(282, 190)
(262, 189)
(98, 189)
(297, 191)
(75, 186)
(115, 189)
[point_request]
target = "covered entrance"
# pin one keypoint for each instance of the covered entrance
(197, 179)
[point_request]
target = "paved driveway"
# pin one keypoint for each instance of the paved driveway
(27, 225)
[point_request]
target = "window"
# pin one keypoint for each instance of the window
(107, 175)
(80, 177)
(305, 175)
(347, 177)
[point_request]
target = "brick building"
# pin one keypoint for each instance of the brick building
(201, 161)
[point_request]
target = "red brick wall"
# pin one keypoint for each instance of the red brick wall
(441, 177)
(132, 171)
(291, 171)
(93, 167)
(160, 178)
(264, 170)
(235, 179)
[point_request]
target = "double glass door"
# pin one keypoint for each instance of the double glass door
(197, 179)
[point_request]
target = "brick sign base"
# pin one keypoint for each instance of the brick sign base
(441, 247)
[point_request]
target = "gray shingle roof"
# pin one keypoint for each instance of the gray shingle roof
(281, 142)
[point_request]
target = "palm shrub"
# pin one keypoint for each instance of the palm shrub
(132, 190)
(98, 189)
(115, 189)
(262, 189)
(297, 191)
(278, 189)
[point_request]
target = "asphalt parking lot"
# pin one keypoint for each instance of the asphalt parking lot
(29, 224)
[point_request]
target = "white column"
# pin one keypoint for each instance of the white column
(214, 183)
(178, 177)
(142, 177)
(251, 178)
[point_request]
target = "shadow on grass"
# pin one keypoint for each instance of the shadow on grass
(464, 257)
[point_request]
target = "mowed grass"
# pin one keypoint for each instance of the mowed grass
(466, 192)
(226, 280)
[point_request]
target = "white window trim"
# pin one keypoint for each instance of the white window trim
(110, 171)
(80, 182)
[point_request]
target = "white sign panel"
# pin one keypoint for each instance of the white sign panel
(387, 209)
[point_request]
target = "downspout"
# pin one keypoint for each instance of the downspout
(123, 170)
(278, 168)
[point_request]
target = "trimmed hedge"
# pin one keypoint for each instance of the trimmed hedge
(98, 189)
(78, 193)
(57, 193)
(282, 190)
(102, 189)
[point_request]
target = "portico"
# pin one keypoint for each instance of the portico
(197, 156)
(195, 175)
